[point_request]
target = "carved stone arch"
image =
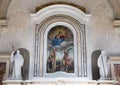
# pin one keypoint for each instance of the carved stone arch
(95, 69)
(47, 18)
(79, 30)
(25, 69)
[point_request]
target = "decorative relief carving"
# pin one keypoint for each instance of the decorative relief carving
(60, 82)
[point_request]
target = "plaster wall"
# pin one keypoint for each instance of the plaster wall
(99, 31)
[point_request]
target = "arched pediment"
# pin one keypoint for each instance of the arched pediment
(60, 9)
(55, 3)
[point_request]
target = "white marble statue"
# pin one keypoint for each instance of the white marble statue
(17, 62)
(104, 66)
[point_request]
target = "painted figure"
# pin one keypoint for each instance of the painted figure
(57, 40)
(51, 61)
(67, 62)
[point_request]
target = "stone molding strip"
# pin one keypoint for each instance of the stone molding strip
(60, 82)
(116, 23)
(3, 22)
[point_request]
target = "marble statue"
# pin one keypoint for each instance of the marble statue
(104, 66)
(17, 62)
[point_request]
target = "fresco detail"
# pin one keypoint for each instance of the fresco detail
(60, 50)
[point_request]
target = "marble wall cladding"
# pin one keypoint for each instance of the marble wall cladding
(100, 33)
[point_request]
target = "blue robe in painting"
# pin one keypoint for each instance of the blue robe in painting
(57, 41)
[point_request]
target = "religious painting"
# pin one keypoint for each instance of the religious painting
(117, 71)
(60, 50)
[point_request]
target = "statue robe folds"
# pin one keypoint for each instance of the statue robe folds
(18, 62)
(104, 65)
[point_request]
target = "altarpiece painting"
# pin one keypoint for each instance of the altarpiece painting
(60, 50)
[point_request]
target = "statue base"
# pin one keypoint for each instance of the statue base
(59, 81)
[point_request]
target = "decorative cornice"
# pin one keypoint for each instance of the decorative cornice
(3, 25)
(114, 58)
(65, 3)
(64, 9)
(2, 56)
(3, 22)
(116, 23)
(61, 82)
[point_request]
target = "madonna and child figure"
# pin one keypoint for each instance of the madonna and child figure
(104, 66)
(17, 62)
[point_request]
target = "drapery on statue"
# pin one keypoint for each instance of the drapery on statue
(104, 65)
(17, 62)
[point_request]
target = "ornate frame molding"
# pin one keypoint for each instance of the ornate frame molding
(69, 16)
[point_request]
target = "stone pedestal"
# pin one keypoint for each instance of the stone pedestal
(106, 82)
(59, 81)
(13, 82)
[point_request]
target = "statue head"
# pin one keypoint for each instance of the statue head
(103, 53)
(18, 52)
